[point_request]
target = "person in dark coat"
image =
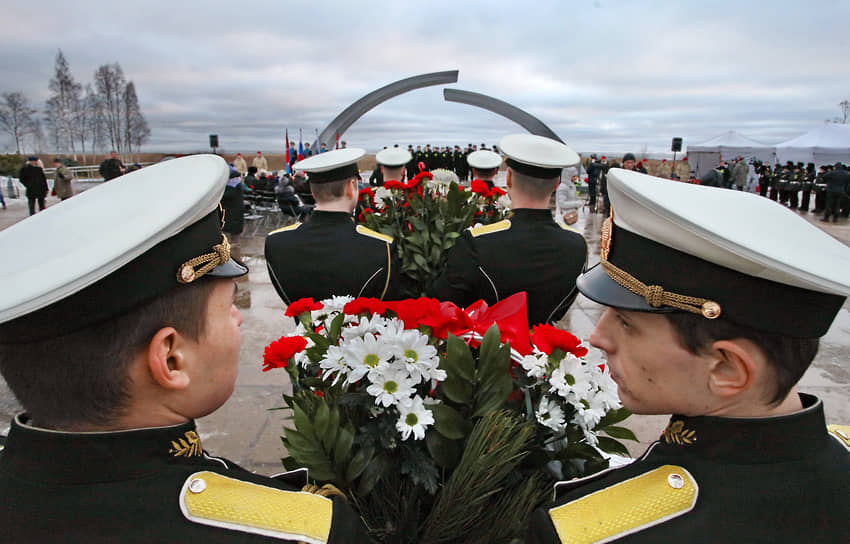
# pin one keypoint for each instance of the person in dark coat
(837, 182)
(112, 167)
(116, 356)
(330, 255)
(32, 177)
(745, 456)
(529, 251)
(233, 203)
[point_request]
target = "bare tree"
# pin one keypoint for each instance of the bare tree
(17, 117)
(110, 84)
(136, 130)
(845, 111)
(63, 106)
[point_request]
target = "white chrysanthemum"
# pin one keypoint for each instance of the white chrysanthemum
(420, 358)
(550, 414)
(383, 197)
(365, 354)
(572, 379)
(606, 394)
(390, 387)
(503, 202)
(332, 306)
(413, 418)
(588, 414)
(333, 364)
(534, 366)
(374, 324)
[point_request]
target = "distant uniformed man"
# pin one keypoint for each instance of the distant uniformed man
(411, 166)
(114, 354)
(240, 165)
(713, 318)
(485, 165)
(330, 255)
(392, 163)
(528, 252)
(260, 162)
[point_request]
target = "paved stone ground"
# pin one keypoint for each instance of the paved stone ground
(247, 428)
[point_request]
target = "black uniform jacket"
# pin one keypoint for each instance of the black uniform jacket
(144, 486)
(529, 252)
(329, 255)
(770, 480)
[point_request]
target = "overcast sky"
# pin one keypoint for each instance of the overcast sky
(605, 75)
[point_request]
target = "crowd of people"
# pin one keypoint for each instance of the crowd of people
(113, 361)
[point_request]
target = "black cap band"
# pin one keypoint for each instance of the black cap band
(149, 275)
(747, 300)
(337, 174)
(538, 172)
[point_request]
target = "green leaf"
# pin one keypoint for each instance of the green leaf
(420, 260)
(459, 358)
(302, 447)
(457, 390)
(358, 463)
(609, 445)
(493, 397)
(344, 442)
(336, 326)
(614, 416)
(373, 472)
(445, 452)
(323, 414)
(449, 422)
(621, 433)
(302, 421)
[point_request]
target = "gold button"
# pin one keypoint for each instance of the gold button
(197, 485)
(710, 309)
(676, 481)
(187, 274)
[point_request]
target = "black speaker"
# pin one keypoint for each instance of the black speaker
(677, 144)
(213, 140)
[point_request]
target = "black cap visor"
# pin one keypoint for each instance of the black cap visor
(598, 286)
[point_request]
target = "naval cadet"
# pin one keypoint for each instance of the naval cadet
(713, 318)
(330, 255)
(393, 163)
(485, 165)
(114, 354)
(527, 252)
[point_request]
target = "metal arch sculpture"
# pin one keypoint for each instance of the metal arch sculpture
(356, 110)
(524, 119)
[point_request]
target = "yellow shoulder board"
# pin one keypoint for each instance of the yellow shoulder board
(567, 227)
(626, 507)
(372, 234)
(841, 432)
(491, 228)
(209, 498)
(286, 228)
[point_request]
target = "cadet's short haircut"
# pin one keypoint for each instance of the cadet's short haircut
(487, 172)
(789, 357)
(81, 378)
(535, 188)
(329, 191)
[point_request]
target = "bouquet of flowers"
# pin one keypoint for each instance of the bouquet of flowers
(442, 424)
(425, 216)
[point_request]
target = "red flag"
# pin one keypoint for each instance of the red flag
(287, 152)
(337, 139)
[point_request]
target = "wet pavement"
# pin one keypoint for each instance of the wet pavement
(247, 427)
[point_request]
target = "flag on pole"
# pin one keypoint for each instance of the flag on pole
(287, 152)
(337, 139)
(300, 146)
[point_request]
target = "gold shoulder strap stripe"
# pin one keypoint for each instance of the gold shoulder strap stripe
(212, 499)
(626, 507)
(286, 228)
(365, 231)
(841, 432)
(491, 228)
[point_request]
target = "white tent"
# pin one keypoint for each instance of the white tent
(705, 156)
(827, 144)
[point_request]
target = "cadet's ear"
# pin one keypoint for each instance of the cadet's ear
(736, 366)
(165, 359)
(509, 179)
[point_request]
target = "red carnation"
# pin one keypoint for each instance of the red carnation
(364, 305)
(413, 311)
(480, 187)
(417, 179)
(278, 353)
(303, 305)
(393, 184)
(497, 191)
(547, 339)
(368, 191)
